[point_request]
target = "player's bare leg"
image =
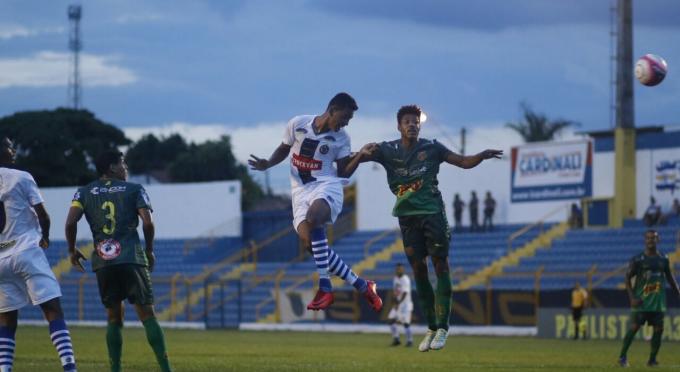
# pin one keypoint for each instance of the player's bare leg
(59, 333)
(154, 334)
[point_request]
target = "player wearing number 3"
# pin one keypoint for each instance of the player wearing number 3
(112, 208)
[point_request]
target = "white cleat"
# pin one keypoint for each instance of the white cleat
(439, 340)
(425, 344)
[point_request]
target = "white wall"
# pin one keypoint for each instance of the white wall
(185, 210)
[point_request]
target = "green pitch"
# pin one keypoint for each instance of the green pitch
(218, 350)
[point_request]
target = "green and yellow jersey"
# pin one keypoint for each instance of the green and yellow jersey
(650, 276)
(412, 175)
(110, 207)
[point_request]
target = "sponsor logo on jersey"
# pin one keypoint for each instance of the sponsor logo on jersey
(303, 163)
(301, 130)
(409, 187)
(422, 156)
(108, 249)
(324, 149)
(329, 138)
(104, 190)
(76, 196)
(145, 197)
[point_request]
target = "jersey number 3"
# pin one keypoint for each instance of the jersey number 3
(110, 226)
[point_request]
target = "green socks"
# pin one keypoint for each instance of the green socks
(114, 342)
(154, 334)
(626, 342)
(656, 344)
(426, 296)
(443, 298)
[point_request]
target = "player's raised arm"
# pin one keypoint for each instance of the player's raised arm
(75, 213)
(44, 221)
(467, 162)
(279, 155)
(347, 165)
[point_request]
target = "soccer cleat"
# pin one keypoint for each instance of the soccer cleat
(652, 363)
(372, 297)
(409, 343)
(623, 362)
(439, 339)
(425, 344)
(322, 300)
(395, 342)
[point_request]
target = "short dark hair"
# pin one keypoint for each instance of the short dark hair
(408, 109)
(399, 264)
(105, 160)
(343, 101)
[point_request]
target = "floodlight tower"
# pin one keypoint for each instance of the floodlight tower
(75, 45)
(625, 196)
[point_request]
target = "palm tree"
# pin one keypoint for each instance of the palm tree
(536, 127)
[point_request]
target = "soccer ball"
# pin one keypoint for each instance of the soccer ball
(650, 70)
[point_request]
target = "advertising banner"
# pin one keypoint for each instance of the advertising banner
(551, 171)
(601, 323)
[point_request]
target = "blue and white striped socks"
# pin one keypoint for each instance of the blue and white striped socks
(338, 267)
(61, 339)
(320, 253)
(7, 345)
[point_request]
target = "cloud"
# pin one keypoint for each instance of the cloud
(49, 69)
(495, 15)
(11, 31)
(139, 18)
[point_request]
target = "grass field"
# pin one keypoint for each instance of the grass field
(297, 351)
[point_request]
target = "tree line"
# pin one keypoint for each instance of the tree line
(58, 147)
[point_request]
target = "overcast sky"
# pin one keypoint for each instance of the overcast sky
(244, 68)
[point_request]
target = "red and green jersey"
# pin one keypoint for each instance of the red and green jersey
(650, 276)
(412, 175)
(110, 207)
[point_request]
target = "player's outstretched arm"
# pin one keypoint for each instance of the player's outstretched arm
(347, 165)
(467, 162)
(44, 221)
(149, 230)
(71, 230)
(279, 155)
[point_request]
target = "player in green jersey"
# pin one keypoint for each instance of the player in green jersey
(113, 208)
(648, 296)
(412, 165)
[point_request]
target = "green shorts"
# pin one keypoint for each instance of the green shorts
(125, 281)
(425, 235)
(653, 318)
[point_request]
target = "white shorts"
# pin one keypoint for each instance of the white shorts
(26, 276)
(402, 314)
(303, 197)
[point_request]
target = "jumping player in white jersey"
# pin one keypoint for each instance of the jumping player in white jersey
(25, 274)
(316, 142)
(403, 306)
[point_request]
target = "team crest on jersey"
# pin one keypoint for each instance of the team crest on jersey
(324, 149)
(422, 155)
(108, 249)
